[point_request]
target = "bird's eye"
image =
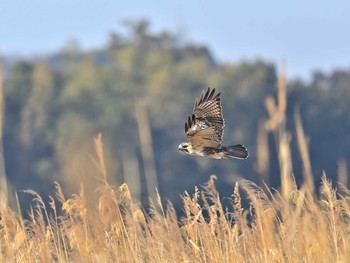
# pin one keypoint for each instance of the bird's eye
(185, 146)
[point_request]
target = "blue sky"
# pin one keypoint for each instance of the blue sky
(308, 34)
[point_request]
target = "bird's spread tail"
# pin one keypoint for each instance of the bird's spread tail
(235, 151)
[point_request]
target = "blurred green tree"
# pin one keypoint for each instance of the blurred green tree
(55, 107)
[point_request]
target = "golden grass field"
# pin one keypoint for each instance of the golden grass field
(290, 225)
(297, 227)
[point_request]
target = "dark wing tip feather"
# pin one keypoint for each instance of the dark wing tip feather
(195, 103)
(190, 122)
(206, 96)
(217, 96)
(201, 98)
(211, 94)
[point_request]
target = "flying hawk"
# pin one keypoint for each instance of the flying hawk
(205, 129)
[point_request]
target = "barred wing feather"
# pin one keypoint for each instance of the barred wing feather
(205, 127)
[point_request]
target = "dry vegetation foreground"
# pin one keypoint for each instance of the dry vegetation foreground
(297, 227)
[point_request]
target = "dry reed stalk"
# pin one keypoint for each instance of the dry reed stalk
(285, 162)
(263, 218)
(131, 172)
(282, 90)
(304, 153)
(100, 156)
(342, 172)
(237, 207)
(276, 123)
(262, 153)
(283, 136)
(333, 211)
(145, 135)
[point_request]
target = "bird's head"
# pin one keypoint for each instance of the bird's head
(185, 147)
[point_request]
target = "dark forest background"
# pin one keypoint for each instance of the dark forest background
(137, 91)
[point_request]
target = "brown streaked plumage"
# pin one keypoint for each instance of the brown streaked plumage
(205, 129)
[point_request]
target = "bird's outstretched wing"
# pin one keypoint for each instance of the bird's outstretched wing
(205, 127)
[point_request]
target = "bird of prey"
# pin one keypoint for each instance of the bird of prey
(205, 129)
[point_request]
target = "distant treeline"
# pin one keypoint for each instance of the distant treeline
(145, 84)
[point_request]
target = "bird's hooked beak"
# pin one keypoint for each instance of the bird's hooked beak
(183, 147)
